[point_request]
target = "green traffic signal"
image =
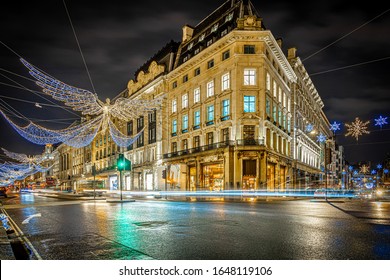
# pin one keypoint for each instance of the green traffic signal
(122, 163)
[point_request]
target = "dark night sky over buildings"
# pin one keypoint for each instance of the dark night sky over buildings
(118, 37)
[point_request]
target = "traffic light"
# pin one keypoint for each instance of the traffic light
(122, 163)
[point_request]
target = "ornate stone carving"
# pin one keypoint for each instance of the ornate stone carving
(143, 78)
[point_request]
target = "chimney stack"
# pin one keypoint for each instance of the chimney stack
(292, 53)
(188, 31)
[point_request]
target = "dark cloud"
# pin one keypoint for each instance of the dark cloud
(119, 36)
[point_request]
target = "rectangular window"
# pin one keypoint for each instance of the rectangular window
(226, 55)
(280, 94)
(174, 84)
(210, 88)
(140, 123)
(249, 49)
(140, 140)
(174, 106)
(249, 132)
(275, 90)
(185, 144)
(196, 95)
(210, 138)
(288, 124)
(129, 128)
(249, 77)
(210, 64)
(289, 105)
(196, 52)
(224, 32)
(274, 113)
(197, 118)
(197, 72)
(174, 147)
(268, 82)
(174, 126)
(268, 107)
(184, 125)
(225, 107)
(280, 116)
(184, 101)
(214, 28)
(209, 42)
(210, 113)
(196, 142)
(226, 81)
(249, 104)
(284, 100)
(185, 78)
(225, 135)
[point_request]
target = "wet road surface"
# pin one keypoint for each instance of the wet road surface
(301, 229)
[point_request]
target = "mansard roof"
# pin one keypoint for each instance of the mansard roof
(216, 25)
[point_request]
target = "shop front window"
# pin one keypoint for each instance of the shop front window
(213, 177)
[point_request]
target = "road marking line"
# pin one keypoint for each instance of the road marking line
(26, 221)
(21, 235)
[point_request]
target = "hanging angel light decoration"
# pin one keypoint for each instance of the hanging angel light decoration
(99, 115)
(28, 165)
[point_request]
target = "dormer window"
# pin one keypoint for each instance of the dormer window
(214, 28)
(229, 17)
(190, 46)
(201, 38)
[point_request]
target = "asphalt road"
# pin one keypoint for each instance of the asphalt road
(300, 229)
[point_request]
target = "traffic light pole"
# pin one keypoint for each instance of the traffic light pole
(120, 182)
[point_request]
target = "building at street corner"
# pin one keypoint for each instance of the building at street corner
(234, 117)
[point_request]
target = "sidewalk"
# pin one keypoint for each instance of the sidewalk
(6, 252)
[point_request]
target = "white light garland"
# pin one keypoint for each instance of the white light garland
(86, 102)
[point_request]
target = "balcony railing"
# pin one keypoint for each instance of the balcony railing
(250, 142)
(243, 142)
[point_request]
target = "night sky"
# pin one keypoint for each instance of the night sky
(117, 37)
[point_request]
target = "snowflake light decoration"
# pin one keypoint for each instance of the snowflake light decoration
(99, 114)
(386, 171)
(355, 172)
(357, 128)
(373, 172)
(379, 166)
(335, 127)
(364, 169)
(381, 121)
(321, 138)
(309, 127)
(350, 168)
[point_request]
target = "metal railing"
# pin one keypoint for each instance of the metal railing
(224, 144)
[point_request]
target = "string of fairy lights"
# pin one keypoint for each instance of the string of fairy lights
(24, 166)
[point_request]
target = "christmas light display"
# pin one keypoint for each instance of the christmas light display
(87, 103)
(381, 121)
(335, 127)
(36, 159)
(364, 169)
(357, 128)
(321, 138)
(373, 172)
(309, 127)
(379, 166)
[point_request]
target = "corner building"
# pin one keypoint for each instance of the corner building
(229, 105)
